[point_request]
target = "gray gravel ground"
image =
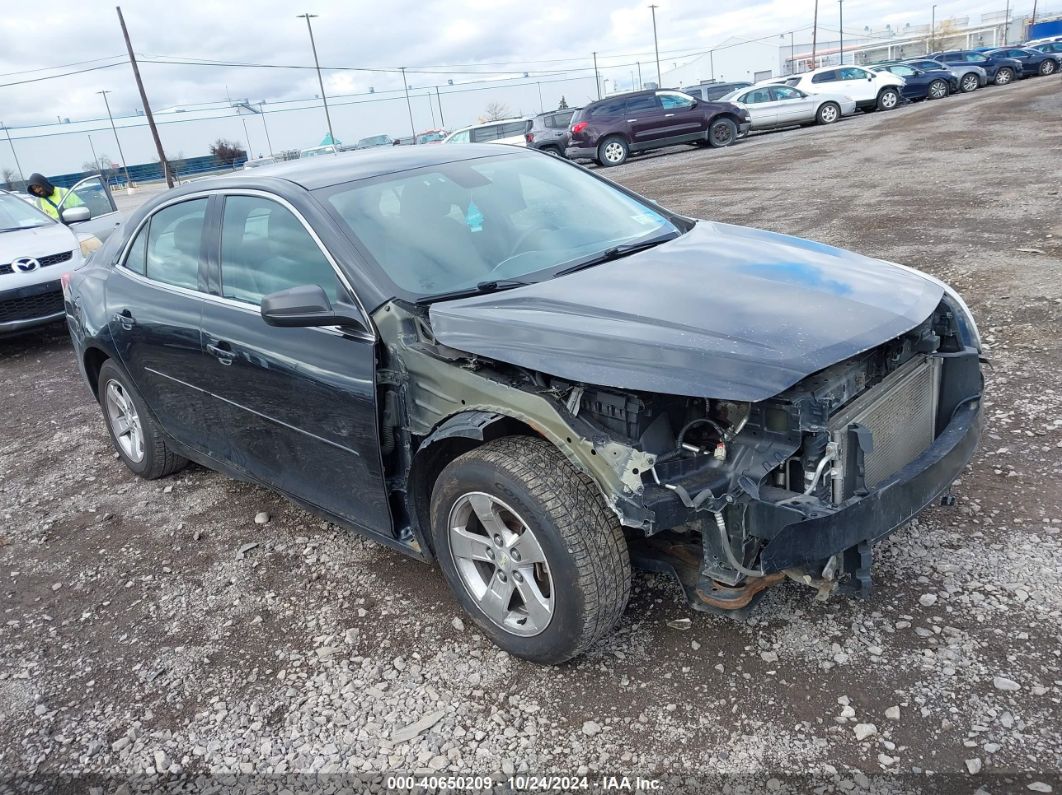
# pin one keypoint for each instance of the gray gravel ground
(154, 629)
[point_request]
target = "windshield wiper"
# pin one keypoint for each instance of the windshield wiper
(491, 286)
(616, 252)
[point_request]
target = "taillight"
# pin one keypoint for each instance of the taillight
(579, 126)
(529, 137)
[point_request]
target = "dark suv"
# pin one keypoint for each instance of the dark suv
(710, 92)
(609, 130)
(549, 131)
(1000, 69)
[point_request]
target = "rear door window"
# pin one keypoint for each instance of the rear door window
(825, 77)
(484, 134)
(612, 107)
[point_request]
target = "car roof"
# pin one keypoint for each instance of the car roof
(493, 123)
(321, 172)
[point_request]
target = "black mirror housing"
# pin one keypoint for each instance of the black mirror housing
(306, 306)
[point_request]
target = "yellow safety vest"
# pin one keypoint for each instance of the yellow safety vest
(50, 204)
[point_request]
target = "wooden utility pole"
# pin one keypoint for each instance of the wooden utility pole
(814, 34)
(144, 99)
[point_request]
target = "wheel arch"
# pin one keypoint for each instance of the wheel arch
(93, 360)
(453, 437)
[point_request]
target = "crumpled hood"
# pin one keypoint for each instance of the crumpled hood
(723, 311)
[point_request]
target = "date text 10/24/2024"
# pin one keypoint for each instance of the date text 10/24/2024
(526, 783)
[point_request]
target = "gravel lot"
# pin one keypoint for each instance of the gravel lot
(157, 628)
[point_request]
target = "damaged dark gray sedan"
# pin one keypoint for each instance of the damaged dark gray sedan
(496, 360)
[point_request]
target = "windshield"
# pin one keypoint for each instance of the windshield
(450, 226)
(430, 138)
(16, 213)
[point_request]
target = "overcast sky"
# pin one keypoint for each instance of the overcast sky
(439, 40)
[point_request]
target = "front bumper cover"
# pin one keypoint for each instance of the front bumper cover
(888, 507)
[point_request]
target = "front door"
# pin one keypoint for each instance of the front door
(793, 106)
(763, 111)
(856, 83)
(154, 301)
(92, 192)
(299, 403)
(682, 117)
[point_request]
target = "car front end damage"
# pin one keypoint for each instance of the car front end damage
(729, 496)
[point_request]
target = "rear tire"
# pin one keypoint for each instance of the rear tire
(828, 113)
(888, 99)
(1004, 76)
(722, 132)
(1048, 67)
(938, 89)
(613, 151)
(969, 82)
(553, 150)
(536, 501)
(136, 437)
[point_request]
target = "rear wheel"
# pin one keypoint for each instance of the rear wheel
(970, 82)
(1048, 67)
(828, 113)
(553, 150)
(136, 436)
(530, 549)
(1004, 76)
(722, 132)
(888, 99)
(938, 89)
(613, 151)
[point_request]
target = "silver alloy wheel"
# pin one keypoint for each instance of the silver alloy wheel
(1003, 77)
(938, 89)
(1047, 67)
(124, 421)
(828, 114)
(501, 564)
(889, 99)
(970, 83)
(614, 152)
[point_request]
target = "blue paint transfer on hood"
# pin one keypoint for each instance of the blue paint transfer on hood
(723, 311)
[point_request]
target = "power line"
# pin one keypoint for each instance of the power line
(64, 74)
(59, 66)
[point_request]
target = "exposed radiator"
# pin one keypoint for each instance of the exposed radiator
(901, 414)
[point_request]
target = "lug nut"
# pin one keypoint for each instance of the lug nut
(515, 554)
(490, 554)
(497, 540)
(517, 576)
(501, 576)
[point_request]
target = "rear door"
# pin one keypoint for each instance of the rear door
(154, 302)
(94, 193)
(762, 108)
(298, 405)
(644, 118)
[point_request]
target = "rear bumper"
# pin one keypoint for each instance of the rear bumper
(888, 507)
(580, 152)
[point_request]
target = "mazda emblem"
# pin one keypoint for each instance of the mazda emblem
(25, 265)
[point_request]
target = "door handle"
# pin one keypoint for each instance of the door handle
(668, 115)
(222, 352)
(630, 120)
(125, 318)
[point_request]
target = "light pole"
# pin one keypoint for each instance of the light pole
(1006, 25)
(125, 168)
(409, 105)
(320, 80)
(265, 127)
(430, 108)
(541, 107)
(640, 83)
(95, 159)
(597, 78)
(933, 30)
(438, 98)
(840, 6)
(605, 81)
(18, 165)
(656, 48)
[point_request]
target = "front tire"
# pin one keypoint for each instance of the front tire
(529, 548)
(828, 113)
(1047, 67)
(138, 439)
(613, 151)
(722, 132)
(888, 99)
(970, 82)
(1004, 76)
(938, 89)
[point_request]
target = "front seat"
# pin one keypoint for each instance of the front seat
(439, 251)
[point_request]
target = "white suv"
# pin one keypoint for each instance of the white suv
(870, 90)
(35, 251)
(504, 131)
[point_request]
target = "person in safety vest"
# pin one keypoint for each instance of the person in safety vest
(49, 197)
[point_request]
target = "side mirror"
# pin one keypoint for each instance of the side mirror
(306, 306)
(75, 215)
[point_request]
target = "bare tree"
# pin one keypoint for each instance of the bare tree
(7, 176)
(495, 111)
(227, 152)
